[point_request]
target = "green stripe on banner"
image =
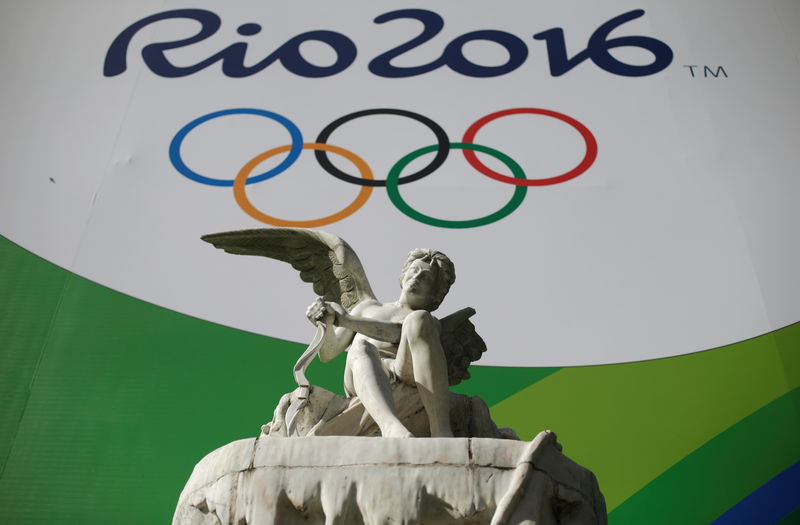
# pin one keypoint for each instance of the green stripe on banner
(125, 397)
(496, 383)
(719, 474)
(788, 342)
(30, 290)
(791, 519)
(630, 422)
(113, 400)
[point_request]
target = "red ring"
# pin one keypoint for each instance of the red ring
(588, 138)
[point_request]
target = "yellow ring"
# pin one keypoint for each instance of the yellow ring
(241, 179)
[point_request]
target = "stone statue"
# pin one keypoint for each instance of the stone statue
(316, 461)
(388, 342)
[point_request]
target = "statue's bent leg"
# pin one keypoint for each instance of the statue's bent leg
(370, 384)
(421, 362)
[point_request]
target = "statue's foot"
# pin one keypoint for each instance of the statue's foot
(396, 431)
(404, 434)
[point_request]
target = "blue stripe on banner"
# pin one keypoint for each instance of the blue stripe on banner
(767, 505)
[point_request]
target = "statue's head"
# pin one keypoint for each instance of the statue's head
(442, 267)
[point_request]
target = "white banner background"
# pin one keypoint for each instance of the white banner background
(682, 235)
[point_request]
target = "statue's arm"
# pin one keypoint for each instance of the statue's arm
(350, 323)
(362, 320)
(334, 342)
(380, 330)
(336, 339)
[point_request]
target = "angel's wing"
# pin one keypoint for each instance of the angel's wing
(462, 344)
(322, 259)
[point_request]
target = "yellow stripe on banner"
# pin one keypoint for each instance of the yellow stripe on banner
(630, 422)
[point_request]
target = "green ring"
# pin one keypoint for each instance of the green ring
(394, 192)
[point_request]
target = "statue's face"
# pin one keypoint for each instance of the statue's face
(420, 280)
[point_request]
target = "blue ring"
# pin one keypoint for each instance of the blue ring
(183, 169)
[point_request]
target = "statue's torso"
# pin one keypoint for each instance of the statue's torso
(388, 312)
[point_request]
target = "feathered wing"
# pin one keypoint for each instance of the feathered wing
(322, 258)
(462, 344)
(336, 273)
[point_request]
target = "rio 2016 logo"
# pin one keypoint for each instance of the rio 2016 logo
(393, 180)
(233, 57)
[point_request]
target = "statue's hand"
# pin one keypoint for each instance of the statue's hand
(326, 312)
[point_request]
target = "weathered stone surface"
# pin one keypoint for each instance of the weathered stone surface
(359, 480)
(328, 414)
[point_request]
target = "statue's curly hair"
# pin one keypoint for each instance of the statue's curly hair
(445, 276)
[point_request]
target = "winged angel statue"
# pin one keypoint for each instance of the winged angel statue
(401, 359)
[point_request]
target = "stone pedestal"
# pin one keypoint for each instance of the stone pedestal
(362, 480)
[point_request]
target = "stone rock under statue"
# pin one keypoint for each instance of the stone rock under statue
(320, 459)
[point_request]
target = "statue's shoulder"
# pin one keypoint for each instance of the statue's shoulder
(366, 303)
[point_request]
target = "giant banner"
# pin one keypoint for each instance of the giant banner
(616, 183)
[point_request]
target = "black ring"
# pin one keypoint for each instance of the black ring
(438, 160)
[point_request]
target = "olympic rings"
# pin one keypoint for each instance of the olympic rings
(183, 169)
(588, 138)
(241, 179)
(438, 160)
(394, 193)
(393, 179)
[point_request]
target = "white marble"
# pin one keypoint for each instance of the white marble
(346, 480)
(313, 462)
(387, 341)
(327, 414)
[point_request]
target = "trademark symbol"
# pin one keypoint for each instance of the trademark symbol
(707, 71)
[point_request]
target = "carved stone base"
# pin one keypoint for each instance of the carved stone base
(360, 480)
